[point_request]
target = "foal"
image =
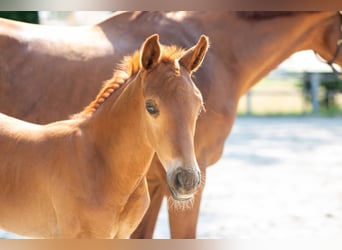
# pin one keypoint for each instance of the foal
(85, 177)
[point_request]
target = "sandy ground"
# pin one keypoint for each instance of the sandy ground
(278, 178)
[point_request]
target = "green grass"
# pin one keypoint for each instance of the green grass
(331, 111)
(264, 104)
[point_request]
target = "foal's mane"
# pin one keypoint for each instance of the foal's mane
(264, 15)
(129, 67)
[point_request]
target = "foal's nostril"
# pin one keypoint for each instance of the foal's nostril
(179, 180)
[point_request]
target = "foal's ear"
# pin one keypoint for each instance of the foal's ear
(150, 52)
(193, 57)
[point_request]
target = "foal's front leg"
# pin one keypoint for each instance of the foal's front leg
(134, 210)
(157, 189)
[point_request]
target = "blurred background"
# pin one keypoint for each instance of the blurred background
(301, 85)
(280, 175)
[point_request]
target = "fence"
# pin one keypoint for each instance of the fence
(307, 95)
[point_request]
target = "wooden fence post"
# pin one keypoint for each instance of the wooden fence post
(249, 102)
(315, 82)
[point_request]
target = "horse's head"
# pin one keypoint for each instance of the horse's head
(172, 106)
(328, 45)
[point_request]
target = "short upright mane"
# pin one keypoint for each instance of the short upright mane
(129, 66)
(264, 15)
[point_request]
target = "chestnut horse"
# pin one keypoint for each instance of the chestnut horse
(64, 65)
(86, 176)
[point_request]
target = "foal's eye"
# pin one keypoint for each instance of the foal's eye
(151, 108)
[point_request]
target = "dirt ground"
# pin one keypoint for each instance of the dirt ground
(278, 178)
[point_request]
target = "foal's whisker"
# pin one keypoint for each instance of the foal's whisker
(175, 205)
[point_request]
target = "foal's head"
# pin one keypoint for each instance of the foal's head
(172, 106)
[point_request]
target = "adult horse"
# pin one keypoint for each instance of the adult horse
(245, 47)
(86, 176)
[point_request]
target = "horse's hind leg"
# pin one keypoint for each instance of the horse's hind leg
(157, 189)
(183, 223)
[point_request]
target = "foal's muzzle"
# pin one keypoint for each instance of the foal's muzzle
(183, 182)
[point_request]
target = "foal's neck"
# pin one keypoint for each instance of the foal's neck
(116, 130)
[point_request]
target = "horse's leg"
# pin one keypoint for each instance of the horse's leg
(183, 222)
(157, 189)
